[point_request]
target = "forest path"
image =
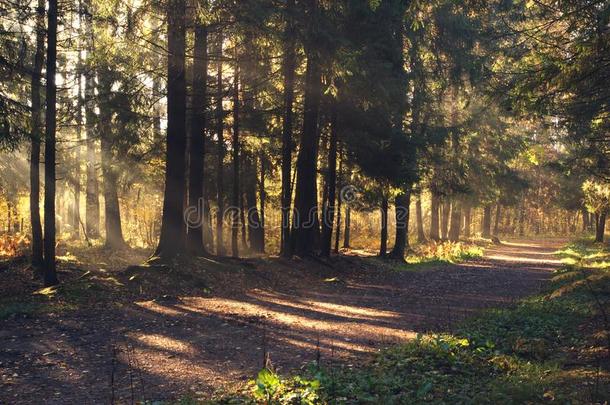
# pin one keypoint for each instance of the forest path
(163, 349)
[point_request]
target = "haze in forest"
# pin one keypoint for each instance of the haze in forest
(178, 134)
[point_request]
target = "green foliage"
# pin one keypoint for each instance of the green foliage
(449, 252)
(597, 196)
(271, 389)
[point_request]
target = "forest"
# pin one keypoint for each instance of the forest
(304, 201)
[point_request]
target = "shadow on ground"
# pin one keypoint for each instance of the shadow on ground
(143, 345)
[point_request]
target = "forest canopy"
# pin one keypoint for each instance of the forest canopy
(254, 118)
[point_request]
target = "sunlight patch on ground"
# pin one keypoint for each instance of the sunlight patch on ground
(521, 259)
(160, 309)
(296, 320)
(330, 308)
(522, 244)
(519, 253)
(165, 343)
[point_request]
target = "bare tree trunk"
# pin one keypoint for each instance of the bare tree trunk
(236, 194)
(486, 224)
(79, 128)
(289, 65)
(383, 249)
(339, 201)
(600, 227)
(467, 220)
(112, 214)
(195, 231)
(456, 216)
(262, 195)
(255, 229)
(522, 219)
(244, 222)
(402, 225)
(445, 211)
(220, 248)
(37, 254)
(50, 274)
(172, 240)
(92, 214)
(434, 218)
(421, 234)
(497, 220)
(306, 225)
(585, 219)
(328, 210)
(348, 221)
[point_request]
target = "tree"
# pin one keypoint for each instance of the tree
(36, 137)
(50, 274)
(597, 200)
(172, 238)
(328, 210)
(92, 214)
(401, 242)
(288, 68)
(112, 213)
(220, 249)
(236, 191)
(305, 223)
(197, 136)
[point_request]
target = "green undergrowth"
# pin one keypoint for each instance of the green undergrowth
(550, 348)
(70, 295)
(78, 287)
(431, 254)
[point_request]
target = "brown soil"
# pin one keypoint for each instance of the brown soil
(206, 326)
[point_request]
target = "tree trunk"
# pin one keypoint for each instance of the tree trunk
(9, 222)
(467, 220)
(50, 274)
(445, 211)
(262, 195)
(254, 219)
(522, 221)
(236, 194)
(112, 214)
(79, 129)
(456, 217)
(600, 227)
(497, 220)
(289, 66)
(434, 219)
(220, 248)
(585, 219)
(92, 202)
(172, 239)
(328, 210)
(305, 225)
(348, 223)
(402, 225)
(195, 233)
(37, 255)
(244, 223)
(383, 249)
(486, 223)
(339, 201)
(421, 234)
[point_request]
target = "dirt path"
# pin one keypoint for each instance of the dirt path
(164, 348)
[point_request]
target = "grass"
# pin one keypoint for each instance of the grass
(550, 348)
